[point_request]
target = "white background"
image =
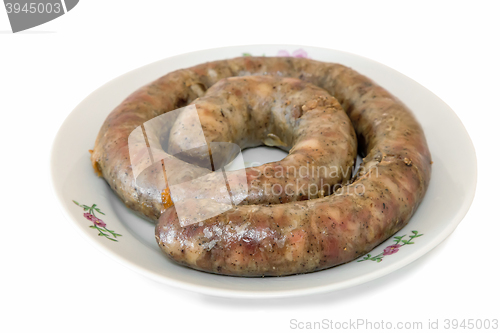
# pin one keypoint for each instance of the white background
(51, 279)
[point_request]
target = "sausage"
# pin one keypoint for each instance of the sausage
(307, 236)
(316, 138)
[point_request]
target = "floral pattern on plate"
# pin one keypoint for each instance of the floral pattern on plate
(98, 224)
(394, 248)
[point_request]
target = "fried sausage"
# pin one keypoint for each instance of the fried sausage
(306, 236)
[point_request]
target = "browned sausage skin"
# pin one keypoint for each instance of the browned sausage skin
(306, 236)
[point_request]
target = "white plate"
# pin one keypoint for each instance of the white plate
(450, 193)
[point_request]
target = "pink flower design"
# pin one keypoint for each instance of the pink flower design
(300, 53)
(99, 223)
(283, 53)
(391, 249)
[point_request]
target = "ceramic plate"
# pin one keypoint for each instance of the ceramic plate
(130, 239)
